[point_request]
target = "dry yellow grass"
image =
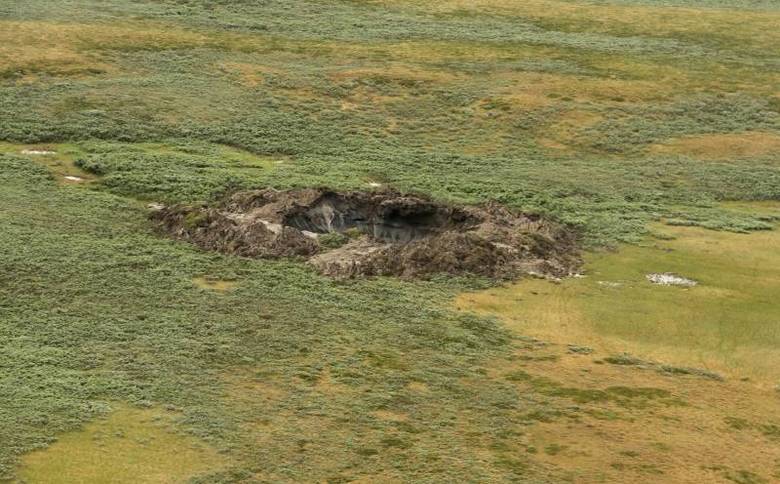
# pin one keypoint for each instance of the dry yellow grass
(701, 430)
(65, 49)
(631, 79)
(722, 324)
(128, 446)
(726, 146)
(638, 78)
(217, 285)
(440, 52)
(249, 75)
(690, 443)
(418, 387)
(560, 136)
(390, 416)
(385, 478)
(704, 431)
(641, 20)
(585, 89)
(365, 96)
(32, 48)
(395, 72)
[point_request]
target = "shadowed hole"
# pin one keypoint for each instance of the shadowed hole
(390, 222)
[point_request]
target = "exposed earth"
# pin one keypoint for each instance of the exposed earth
(382, 233)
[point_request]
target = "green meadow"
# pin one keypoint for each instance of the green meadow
(652, 127)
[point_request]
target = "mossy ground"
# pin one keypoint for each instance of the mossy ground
(601, 115)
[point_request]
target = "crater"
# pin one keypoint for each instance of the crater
(376, 233)
(392, 220)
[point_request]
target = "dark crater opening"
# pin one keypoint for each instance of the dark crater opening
(397, 220)
(384, 233)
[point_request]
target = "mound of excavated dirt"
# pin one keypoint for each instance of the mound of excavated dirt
(385, 233)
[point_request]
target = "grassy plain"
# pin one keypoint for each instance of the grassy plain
(606, 115)
(724, 324)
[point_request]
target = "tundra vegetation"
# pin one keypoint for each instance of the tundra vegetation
(650, 127)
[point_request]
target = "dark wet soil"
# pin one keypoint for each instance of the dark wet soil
(383, 233)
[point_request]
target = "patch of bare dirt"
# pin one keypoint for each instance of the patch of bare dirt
(377, 233)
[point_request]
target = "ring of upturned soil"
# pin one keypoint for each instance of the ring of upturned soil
(382, 233)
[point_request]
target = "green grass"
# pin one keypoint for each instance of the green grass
(287, 373)
(382, 92)
(96, 308)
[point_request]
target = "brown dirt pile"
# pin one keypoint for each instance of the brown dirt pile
(385, 233)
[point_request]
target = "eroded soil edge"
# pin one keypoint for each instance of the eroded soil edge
(385, 233)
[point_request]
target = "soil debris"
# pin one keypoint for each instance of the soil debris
(669, 279)
(378, 233)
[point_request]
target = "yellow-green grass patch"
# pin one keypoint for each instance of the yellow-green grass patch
(214, 284)
(723, 146)
(235, 157)
(638, 425)
(766, 208)
(560, 136)
(57, 158)
(727, 323)
(756, 29)
(130, 445)
(31, 48)
(248, 74)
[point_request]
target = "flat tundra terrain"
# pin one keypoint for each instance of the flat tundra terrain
(389, 241)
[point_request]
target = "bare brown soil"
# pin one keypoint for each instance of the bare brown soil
(379, 233)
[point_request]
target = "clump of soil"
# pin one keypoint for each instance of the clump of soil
(377, 233)
(669, 279)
